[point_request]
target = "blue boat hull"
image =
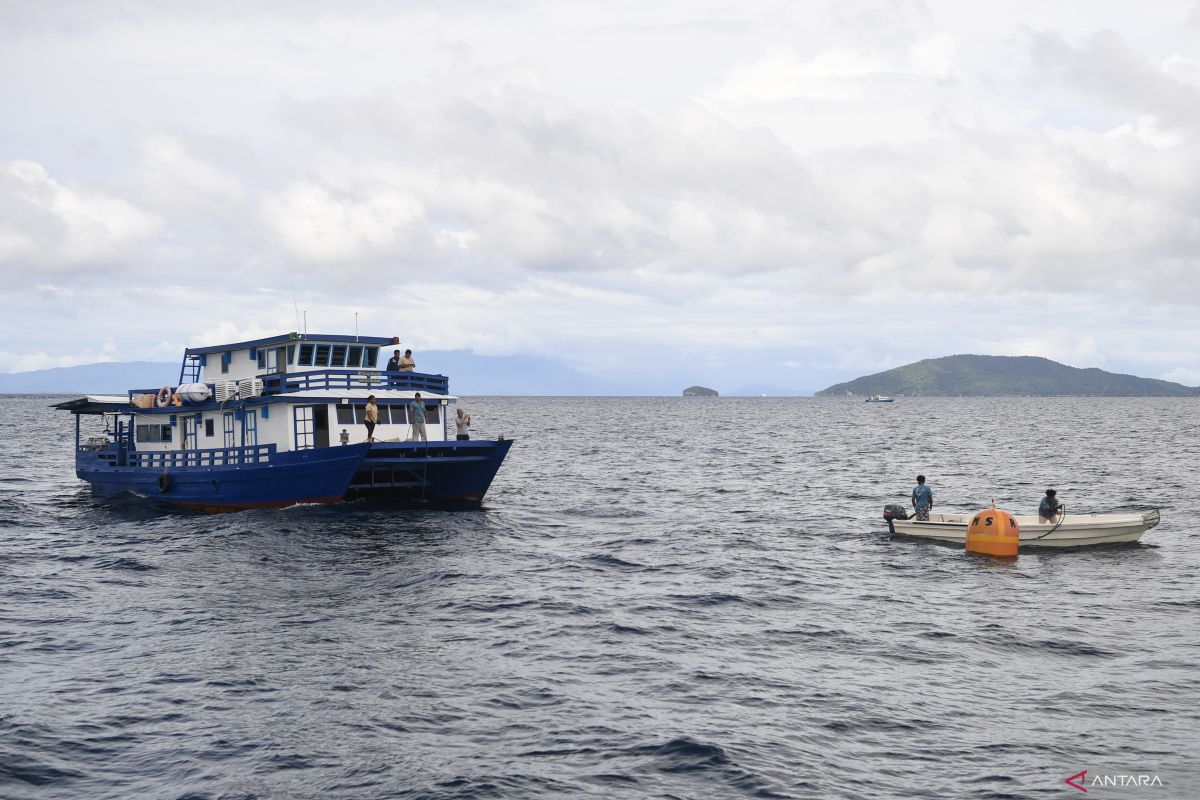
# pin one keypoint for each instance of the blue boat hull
(307, 476)
(438, 472)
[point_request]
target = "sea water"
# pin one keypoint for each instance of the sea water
(663, 597)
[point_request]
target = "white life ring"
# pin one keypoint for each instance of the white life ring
(163, 398)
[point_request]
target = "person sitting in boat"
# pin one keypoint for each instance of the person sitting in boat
(1050, 508)
(922, 499)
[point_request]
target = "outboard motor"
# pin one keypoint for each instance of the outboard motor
(893, 511)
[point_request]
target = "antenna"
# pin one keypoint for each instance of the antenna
(306, 322)
(295, 305)
(356, 326)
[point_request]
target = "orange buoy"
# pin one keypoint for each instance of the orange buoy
(993, 532)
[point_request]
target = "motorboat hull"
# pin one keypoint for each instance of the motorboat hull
(1077, 530)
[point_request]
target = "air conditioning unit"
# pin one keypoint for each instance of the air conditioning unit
(250, 387)
(226, 390)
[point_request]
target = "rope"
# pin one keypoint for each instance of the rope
(1062, 507)
(425, 472)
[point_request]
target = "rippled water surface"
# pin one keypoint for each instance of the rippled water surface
(663, 598)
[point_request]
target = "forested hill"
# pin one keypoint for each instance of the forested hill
(999, 376)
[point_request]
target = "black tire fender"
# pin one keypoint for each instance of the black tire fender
(164, 482)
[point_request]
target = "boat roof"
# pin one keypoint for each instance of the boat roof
(95, 404)
(292, 338)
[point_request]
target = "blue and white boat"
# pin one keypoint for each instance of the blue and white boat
(279, 421)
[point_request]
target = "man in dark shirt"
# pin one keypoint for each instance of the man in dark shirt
(394, 362)
(1049, 508)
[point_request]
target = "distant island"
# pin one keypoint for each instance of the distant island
(700, 391)
(1004, 376)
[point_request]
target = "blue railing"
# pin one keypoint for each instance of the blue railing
(215, 457)
(355, 379)
(329, 379)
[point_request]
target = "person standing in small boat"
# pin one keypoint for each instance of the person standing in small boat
(1049, 508)
(371, 418)
(922, 499)
(416, 415)
(463, 423)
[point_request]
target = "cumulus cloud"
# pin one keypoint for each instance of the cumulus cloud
(1105, 66)
(48, 225)
(578, 181)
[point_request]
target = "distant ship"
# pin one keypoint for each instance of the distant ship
(879, 398)
(256, 424)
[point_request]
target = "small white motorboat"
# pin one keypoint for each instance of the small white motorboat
(1074, 530)
(879, 398)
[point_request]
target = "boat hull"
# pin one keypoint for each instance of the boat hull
(451, 472)
(1075, 531)
(319, 475)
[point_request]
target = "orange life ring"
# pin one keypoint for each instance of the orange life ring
(163, 398)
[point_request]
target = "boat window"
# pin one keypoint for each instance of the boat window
(306, 354)
(153, 433)
(338, 358)
(431, 413)
(322, 357)
(208, 427)
(230, 438)
(268, 359)
(357, 414)
(370, 356)
(354, 357)
(305, 427)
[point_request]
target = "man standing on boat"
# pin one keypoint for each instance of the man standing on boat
(406, 362)
(922, 499)
(371, 418)
(416, 415)
(394, 362)
(1049, 508)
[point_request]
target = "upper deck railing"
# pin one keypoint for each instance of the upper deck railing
(329, 379)
(316, 380)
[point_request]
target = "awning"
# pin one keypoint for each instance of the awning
(95, 404)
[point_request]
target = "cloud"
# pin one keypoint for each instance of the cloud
(49, 225)
(837, 187)
(1105, 67)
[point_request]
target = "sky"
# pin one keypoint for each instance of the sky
(785, 194)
